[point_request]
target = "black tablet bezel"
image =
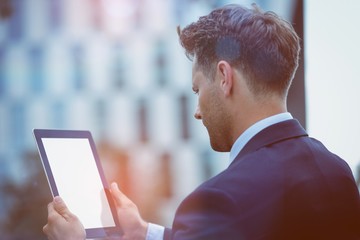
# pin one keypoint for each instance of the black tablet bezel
(55, 133)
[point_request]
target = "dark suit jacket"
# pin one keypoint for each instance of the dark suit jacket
(282, 185)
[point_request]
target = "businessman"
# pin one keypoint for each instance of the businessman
(280, 184)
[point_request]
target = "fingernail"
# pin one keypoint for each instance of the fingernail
(57, 199)
(114, 185)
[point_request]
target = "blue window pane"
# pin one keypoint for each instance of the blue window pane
(2, 71)
(118, 67)
(58, 114)
(184, 113)
(36, 55)
(55, 14)
(100, 115)
(78, 63)
(16, 20)
(143, 121)
(161, 63)
(17, 126)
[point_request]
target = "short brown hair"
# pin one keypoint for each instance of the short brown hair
(264, 46)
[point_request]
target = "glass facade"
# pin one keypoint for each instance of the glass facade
(114, 67)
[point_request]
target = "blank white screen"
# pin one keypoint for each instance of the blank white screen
(78, 181)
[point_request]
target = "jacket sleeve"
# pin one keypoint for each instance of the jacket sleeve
(167, 233)
(205, 214)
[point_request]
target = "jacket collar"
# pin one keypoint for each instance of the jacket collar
(272, 134)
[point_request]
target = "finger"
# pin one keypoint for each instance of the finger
(50, 207)
(52, 213)
(119, 197)
(45, 229)
(60, 207)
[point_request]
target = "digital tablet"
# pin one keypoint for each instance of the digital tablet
(74, 172)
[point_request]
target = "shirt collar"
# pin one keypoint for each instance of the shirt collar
(254, 129)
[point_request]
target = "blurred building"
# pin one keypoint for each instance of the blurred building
(114, 67)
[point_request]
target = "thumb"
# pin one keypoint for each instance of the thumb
(120, 199)
(61, 208)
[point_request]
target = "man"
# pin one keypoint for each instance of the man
(280, 184)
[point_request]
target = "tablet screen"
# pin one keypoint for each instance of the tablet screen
(78, 181)
(74, 173)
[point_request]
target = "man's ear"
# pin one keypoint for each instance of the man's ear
(226, 76)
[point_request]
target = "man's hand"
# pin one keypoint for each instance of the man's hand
(62, 224)
(131, 223)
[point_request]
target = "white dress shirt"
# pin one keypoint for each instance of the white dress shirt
(156, 232)
(255, 129)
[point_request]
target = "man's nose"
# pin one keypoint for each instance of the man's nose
(197, 113)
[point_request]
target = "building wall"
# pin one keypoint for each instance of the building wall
(114, 67)
(332, 76)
